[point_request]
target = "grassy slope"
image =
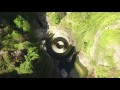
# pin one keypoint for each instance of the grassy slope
(85, 27)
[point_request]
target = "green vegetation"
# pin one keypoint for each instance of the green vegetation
(20, 54)
(55, 17)
(23, 24)
(106, 72)
(13, 46)
(26, 67)
(22, 45)
(86, 25)
(97, 37)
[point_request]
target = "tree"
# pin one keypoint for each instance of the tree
(26, 67)
(23, 24)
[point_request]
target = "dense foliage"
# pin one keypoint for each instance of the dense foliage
(17, 51)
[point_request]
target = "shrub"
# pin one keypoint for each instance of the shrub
(23, 24)
(26, 67)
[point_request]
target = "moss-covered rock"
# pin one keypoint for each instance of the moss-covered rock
(97, 38)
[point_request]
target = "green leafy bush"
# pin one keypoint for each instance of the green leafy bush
(32, 54)
(23, 24)
(26, 67)
(22, 45)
